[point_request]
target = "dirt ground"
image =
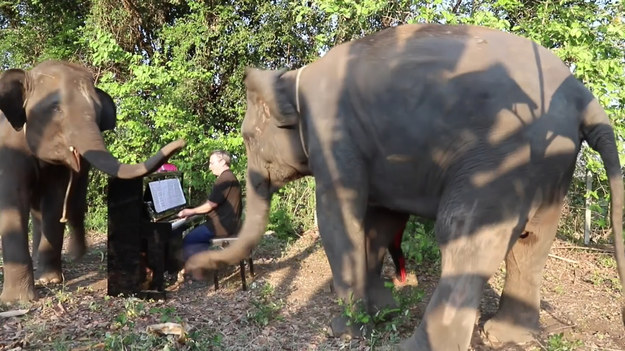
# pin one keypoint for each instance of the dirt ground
(289, 303)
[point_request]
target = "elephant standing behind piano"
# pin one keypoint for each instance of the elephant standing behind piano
(51, 122)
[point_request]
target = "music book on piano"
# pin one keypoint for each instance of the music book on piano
(164, 196)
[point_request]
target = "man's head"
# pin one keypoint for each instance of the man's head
(219, 161)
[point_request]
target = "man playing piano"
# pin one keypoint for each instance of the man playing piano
(223, 208)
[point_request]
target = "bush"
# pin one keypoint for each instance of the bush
(293, 209)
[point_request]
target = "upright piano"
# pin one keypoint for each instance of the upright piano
(144, 233)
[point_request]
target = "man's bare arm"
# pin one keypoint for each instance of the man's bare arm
(202, 209)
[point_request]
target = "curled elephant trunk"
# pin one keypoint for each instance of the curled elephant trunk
(258, 200)
(97, 155)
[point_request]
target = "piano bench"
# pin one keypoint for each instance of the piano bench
(222, 243)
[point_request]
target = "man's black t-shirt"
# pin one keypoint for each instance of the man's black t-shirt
(226, 193)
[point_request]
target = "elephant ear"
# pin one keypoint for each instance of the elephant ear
(12, 97)
(274, 92)
(108, 111)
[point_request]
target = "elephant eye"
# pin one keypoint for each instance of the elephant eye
(56, 108)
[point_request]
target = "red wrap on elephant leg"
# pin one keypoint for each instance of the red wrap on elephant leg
(398, 256)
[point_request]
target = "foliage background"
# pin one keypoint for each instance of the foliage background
(175, 69)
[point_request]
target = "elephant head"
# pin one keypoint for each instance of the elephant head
(275, 151)
(62, 114)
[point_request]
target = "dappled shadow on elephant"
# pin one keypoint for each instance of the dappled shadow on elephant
(476, 128)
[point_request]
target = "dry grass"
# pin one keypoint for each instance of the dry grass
(289, 304)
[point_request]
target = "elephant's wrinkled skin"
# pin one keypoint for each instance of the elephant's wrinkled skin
(476, 128)
(50, 133)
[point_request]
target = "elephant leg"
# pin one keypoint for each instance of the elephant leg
(341, 213)
(77, 208)
(49, 264)
(35, 215)
(381, 226)
(517, 319)
(78, 243)
(472, 247)
(18, 282)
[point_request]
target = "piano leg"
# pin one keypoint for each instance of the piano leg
(243, 282)
(124, 239)
(155, 247)
(163, 251)
(251, 262)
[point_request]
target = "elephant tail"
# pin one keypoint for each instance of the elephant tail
(599, 134)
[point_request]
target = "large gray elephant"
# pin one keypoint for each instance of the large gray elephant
(50, 135)
(476, 128)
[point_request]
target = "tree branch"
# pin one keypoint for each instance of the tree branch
(455, 8)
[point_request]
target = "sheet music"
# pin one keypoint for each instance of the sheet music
(166, 194)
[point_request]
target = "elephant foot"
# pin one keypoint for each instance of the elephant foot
(51, 277)
(417, 341)
(77, 250)
(499, 331)
(17, 293)
(339, 328)
(380, 299)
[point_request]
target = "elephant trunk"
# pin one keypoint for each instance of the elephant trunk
(92, 148)
(258, 200)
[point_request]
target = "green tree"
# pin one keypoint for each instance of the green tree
(34, 30)
(175, 68)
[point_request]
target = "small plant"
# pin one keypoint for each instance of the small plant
(61, 343)
(354, 311)
(607, 262)
(266, 308)
(596, 278)
(122, 320)
(557, 342)
(385, 323)
(136, 341)
(133, 308)
(63, 296)
(406, 298)
(559, 290)
(84, 289)
(204, 340)
(94, 306)
(167, 314)
(616, 284)
(419, 243)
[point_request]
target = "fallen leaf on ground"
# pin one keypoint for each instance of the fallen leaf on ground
(13, 313)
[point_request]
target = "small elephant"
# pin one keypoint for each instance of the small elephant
(475, 128)
(50, 135)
